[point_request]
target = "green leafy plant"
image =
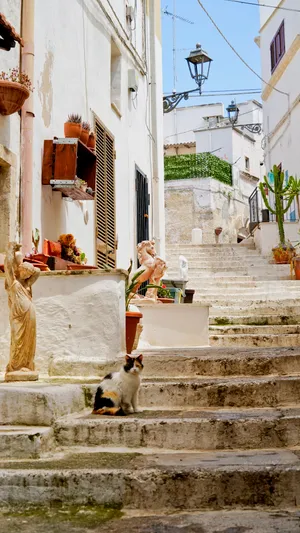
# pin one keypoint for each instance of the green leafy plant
(294, 191)
(163, 292)
(74, 118)
(204, 165)
(280, 191)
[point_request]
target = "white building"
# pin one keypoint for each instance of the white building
(204, 129)
(103, 60)
(279, 42)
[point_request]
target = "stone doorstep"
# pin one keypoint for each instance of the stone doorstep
(243, 329)
(178, 362)
(22, 442)
(272, 309)
(184, 430)
(256, 339)
(259, 320)
(171, 481)
(30, 408)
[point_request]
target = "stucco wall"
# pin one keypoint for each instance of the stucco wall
(203, 203)
(72, 75)
(78, 316)
(266, 235)
(281, 143)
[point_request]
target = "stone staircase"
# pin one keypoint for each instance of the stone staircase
(219, 430)
(253, 302)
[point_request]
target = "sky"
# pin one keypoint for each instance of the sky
(240, 24)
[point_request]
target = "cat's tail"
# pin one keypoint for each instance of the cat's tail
(109, 411)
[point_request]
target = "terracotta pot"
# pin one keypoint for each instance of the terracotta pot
(166, 300)
(72, 130)
(218, 231)
(189, 295)
(12, 96)
(132, 320)
(91, 142)
(84, 136)
(282, 256)
(297, 267)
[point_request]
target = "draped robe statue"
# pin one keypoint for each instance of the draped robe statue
(19, 279)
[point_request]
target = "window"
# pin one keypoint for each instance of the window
(247, 164)
(115, 76)
(105, 197)
(277, 48)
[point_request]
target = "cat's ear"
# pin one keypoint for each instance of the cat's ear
(140, 358)
(127, 358)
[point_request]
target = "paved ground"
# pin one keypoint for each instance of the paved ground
(94, 519)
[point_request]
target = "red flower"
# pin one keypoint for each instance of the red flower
(163, 286)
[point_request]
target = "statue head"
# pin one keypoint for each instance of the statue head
(146, 246)
(25, 270)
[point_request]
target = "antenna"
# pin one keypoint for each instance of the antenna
(174, 17)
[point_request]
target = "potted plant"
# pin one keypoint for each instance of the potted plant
(284, 252)
(85, 132)
(92, 141)
(132, 317)
(15, 88)
(73, 126)
(164, 295)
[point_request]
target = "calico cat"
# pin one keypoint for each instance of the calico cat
(117, 394)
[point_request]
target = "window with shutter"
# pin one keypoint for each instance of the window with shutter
(105, 197)
(277, 48)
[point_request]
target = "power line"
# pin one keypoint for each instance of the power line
(264, 5)
(236, 53)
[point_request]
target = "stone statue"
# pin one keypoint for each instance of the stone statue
(19, 279)
(152, 269)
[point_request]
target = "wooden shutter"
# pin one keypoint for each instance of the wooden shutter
(105, 197)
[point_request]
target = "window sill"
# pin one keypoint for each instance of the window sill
(116, 109)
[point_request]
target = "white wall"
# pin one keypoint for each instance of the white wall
(179, 125)
(266, 235)
(78, 317)
(72, 75)
(206, 204)
(281, 139)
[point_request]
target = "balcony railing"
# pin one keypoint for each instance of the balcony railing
(259, 212)
(203, 165)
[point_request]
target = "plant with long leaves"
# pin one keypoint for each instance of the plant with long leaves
(280, 190)
(294, 191)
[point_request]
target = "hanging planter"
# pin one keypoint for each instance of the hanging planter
(15, 87)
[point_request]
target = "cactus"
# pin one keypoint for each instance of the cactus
(279, 190)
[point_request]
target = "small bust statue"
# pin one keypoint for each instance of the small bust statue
(19, 279)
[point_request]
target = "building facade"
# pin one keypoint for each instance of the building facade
(279, 42)
(203, 135)
(102, 60)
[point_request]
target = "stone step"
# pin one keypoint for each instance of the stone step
(184, 430)
(37, 403)
(215, 263)
(192, 362)
(245, 292)
(156, 481)
(190, 246)
(256, 302)
(240, 284)
(217, 392)
(255, 330)
(256, 339)
(266, 309)
(21, 442)
(259, 320)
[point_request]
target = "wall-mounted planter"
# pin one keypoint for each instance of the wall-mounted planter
(12, 96)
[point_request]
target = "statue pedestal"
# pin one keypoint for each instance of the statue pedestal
(21, 375)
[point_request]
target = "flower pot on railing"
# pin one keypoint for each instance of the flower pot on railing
(12, 96)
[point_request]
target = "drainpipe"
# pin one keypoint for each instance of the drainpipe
(156, 103)
(27, 116)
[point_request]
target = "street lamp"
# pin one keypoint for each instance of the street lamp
(199, 66)
(233, 115)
